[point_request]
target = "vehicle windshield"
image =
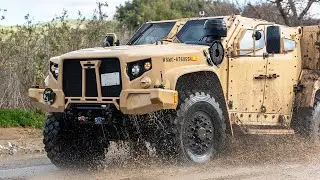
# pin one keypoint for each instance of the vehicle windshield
(192, 31)
(149, 33)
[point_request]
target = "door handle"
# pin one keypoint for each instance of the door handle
(266, 76)
(259, 76)
(272, 76)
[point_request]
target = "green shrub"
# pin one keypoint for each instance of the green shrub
(21, 118)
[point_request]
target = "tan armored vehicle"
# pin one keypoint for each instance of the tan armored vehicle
(182, 86)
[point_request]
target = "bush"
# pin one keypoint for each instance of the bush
(21, 118)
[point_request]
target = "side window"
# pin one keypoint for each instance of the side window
(289, 45)
(246, 43)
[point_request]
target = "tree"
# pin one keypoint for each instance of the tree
(100, 6)
(221, 8)
(133, 13)
(293, 12)
(265, 11)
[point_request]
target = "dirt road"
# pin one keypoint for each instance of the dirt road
(248, 158)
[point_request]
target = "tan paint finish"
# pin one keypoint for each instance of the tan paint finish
(310, 75)
(57, 106)
(310, 83)
(285, 67)
(278, 98)
(140, 101)
(310, 47)
(251, 101)
(245, 92)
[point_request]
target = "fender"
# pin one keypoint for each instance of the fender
(174, 74)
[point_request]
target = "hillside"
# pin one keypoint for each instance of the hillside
(69, 22)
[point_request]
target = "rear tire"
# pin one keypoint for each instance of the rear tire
(307, 123)
(315, 124)
(69, 146)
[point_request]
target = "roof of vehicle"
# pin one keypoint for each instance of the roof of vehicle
(211, 17)
(187, 19)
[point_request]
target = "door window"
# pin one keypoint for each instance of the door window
(289, 45)
(246, 43)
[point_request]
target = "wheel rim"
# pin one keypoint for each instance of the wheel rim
(199, 134)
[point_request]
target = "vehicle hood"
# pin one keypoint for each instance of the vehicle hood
(129, 52)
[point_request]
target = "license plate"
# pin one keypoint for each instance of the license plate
(110, 79)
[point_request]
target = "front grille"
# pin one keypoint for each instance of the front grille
(91, 86)
(72, 78)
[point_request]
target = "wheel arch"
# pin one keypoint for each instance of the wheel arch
(195, 81)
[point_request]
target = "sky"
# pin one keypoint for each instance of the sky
(46, 10)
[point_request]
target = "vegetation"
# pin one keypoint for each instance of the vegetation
(26, 49)
(21, 118)
(136, 12)
(291, 12)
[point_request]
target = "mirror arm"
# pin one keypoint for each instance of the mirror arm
(254, 32)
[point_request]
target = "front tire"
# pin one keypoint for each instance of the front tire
(69, 146)
(197, 131)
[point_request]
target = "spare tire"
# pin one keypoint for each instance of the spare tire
(216, 52)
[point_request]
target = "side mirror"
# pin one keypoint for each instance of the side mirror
(273, 39)
(111, 40)
(215, 29)
(257, 35)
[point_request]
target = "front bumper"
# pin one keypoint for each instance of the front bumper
(132, 101)
(37, 100)
(147, 101)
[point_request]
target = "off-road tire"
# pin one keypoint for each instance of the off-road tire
(173, 140)
(307, 123)
(69, 146)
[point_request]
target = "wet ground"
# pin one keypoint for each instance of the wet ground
(249, 157)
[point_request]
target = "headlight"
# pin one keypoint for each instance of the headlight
(137, 68)
(135, 71)
(54, 69)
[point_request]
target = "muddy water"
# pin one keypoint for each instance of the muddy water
(249, 157)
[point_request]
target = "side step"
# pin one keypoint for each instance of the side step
(250, 129)
(269, 131)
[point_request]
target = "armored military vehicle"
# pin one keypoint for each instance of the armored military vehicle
(182, 86)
